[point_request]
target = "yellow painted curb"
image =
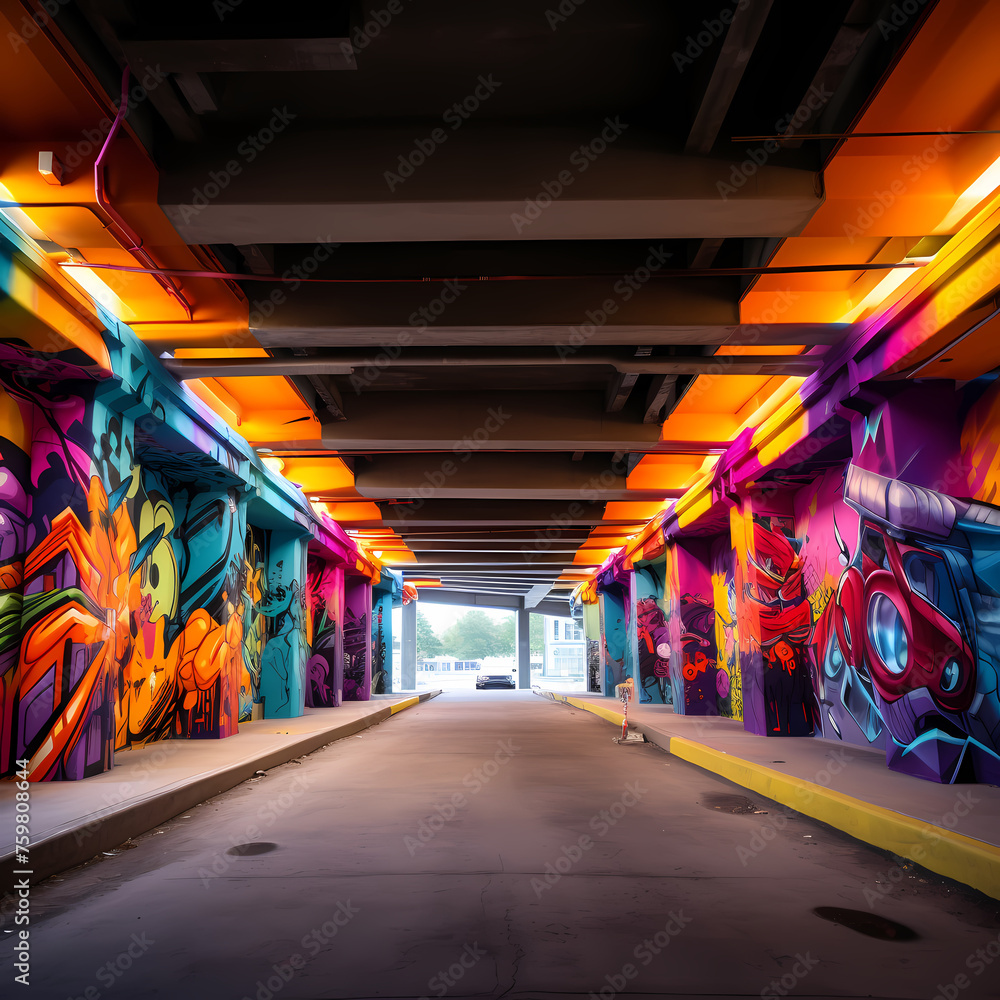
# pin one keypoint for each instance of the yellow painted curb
(605, 713)
(400, 705)
(943, 851)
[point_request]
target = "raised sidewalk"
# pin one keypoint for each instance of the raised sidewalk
(71, 821)
(953, 830)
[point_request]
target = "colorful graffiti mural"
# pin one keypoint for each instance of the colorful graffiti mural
(357, 642)
(730, 689)
(136, 602)
(325, 603)
(613, 636)
(128, 631)
(855, 598)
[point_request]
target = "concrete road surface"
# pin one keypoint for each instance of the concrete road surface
(496, 845)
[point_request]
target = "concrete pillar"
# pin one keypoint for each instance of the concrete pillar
(524, 649)
(408, 648)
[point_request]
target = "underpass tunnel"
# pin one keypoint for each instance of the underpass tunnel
(657, 343)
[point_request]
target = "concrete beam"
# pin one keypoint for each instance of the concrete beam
(737, 48)
(391, 315)
(502, 602)
(629, 368)
(463, 424)
(242, 55)
(471, 188)
(498, 475)
(502, 513)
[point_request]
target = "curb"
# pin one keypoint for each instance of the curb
(79, 843)
(944, 852)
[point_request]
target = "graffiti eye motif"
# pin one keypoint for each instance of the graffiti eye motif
(888, 633)
(951, 676)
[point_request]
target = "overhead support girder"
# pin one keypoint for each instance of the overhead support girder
(503, 513)
(243, 55)
(349, 364)
(504, 602)
(745, 25)
(464, 424)
(499, 476)
(473, 189)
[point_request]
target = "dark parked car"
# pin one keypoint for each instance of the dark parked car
(495, 680)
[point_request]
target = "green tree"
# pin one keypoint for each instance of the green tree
(472, 637)
(536, 634)
(428, 644)
(505, 635)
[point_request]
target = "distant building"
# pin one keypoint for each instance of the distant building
(446, 664)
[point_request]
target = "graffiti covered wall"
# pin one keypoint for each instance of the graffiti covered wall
(129, 563)
(613, 635)
(325, 602)
(655, 641)
(140, 599)
(357, 641)
(726, 637)
(854, 598)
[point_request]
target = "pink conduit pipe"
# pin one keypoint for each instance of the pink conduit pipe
(129, 239)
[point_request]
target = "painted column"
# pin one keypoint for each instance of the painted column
(408, 648)
(382, 641)
(613, 636)
(700, 681)
(592, 631)
(325, 668)
(774, 617)
(357, 640)
(653, 635)
(283, 666)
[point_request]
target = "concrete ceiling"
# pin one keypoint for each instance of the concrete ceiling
(517, 219)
